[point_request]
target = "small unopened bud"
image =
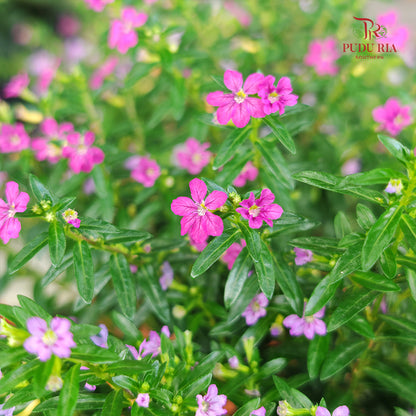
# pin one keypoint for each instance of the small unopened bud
(37, 209)
(169, 182)
(178, 399)
(15, 336)
(45, 204)
(50, 216)
(178, 311)
(71, 217)
(54, 383)
(174, 408)
(224, 208)
(235, 198)
(145, 386)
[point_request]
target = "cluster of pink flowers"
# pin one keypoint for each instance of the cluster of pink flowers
(392, 117)
(322, 55)
(241, 103)
(306, 325)
(192, 155)
(143, 170)
(16, 202)
(122, 35)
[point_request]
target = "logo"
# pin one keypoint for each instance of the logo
(378, 32)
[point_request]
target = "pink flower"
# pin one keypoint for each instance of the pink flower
(262, 209)
(396, 35)
(307, 325)
(46, 341)
(238, 106)
(259, 412)
(143, 399)
(249, 173)
(276, 98)
(233, 361)
(197, 219)
(351, 166)
(275, 329)
(97, 5)
(392, 117)
(144, 170)
(71, 217)
(167, 276)
(90, 387)
(151, 345)
(238, 12)
(211, 404)
(101, 339)
(200, 245)
(339, 411)
(16, 202)
(13, 138)
(256, 309)
(16, 85)
(82, 156)
(302, 256)
(67, 25)
(193, 155)
(232, 252)
(49, 147)
(322, 55)
(106, 69)
(122, 35)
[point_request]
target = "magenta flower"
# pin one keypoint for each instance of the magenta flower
(16, 202)
(143, 399)
(167, 276)
(82, 156)
(193, 155)
(151, 345)
(49, 147)
(199, 246)
(307, 325)
(101, 339)
(259, 412)
(197, 218)
(122, 35)
(322, 55)
(396, 35)
(90, 387)
(238, 106)
(211, 404)
(45, 341)
(71, 217)
(232, 252)
(302, 256)
(262, 209)
(144, 170)
(339, 411)
(392, 117)
(97, 5)
(256, 309)
(276, 98)
(67, 25)
(16, 85)
(105, 70)
(13, 138)
(249, 173)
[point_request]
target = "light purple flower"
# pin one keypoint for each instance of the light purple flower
(143, 399)
(275, 329)
(192, 155)
(393, 117)
(233, 361)
(303, 256)
(16, 85)
(45, 341)
(395, 186)
(13, 138)
(306, 325)
(262, 209)
(276, 98)
(396, 35)
(167, 276)
(259, 412)
(90, 387)
(249, 173)
(211, 404)
(339, 411)
(256, 309)
(238, 106)
(101, 339)
(6, 412)
(232, 252)
(351, 166)
(151, 345)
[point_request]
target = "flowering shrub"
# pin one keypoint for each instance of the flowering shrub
(204, 210)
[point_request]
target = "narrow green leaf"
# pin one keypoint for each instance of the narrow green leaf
(361, 326)
(322, 245)
(290, 222)
(408, 226)
(13, 378)
(401, 324)
(84, 402)
(93, 354)
(340, 357)
(399, 151)
(411, 279)
(388, 263)
(372, 177)
(127, 383)
(379, 236)
(234, 167)
(247, 409)
(342, 225)
(320, 179)
(213, 251)
(375, 281)
(127, 236)
(27, 252)
(271, 367)
(123, 284)
(57, 242)
(138, 71)
(53, 272)
(281, 133)
(41, 192)
(33, 308)
(230, 146)
(42, 375)
(365, 217)
(113, 405)
(125, 325)
(69, 393)
(84, 271)
(293, 396)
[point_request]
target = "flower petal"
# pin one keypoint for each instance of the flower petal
(216, 199)
(183, 206)
(252, 83)
(233, 80)
(218, 98)
(212, 224)
(198, 190)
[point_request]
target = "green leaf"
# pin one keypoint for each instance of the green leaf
(57, 242)
(281, 133)
(132, 367)
(262, 259)
(372, 177)
(53, 272)
(113, 405)
(361, 326)
(213, 251)
(94, 355)
(127, 383)
(399, 151)
(340, 357)
(126, 236)
(230, 146)
(84, 402)
(84, 271)
(352, 302)
(293, 396)
(317, 352)
(123, 284)
(237, 277)
(365, 217)
(248, 408)
(41, 192)
(379, 236)
(375, 281)
(234, 167)
(125, 325)
(401, 323)
(69, 393)
(411, 279)
(13, 378)
(322, 245)
(276, 163)
(27, 252)
(408, 226)
(138, 71)
(32, 308)
(41, 376)
(290, 222)
(388, 263)
(342, 225)
(271, 367)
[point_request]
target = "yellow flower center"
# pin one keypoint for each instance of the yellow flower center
(202, 209)
(273, 97)
(49, 338)
(240, 96)
(254, 211)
